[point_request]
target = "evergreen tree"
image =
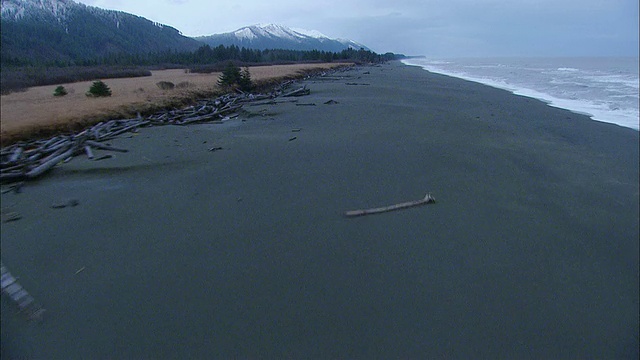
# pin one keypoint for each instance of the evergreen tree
(60, 91)
(233, 77)
(230, 76)
(98, 89)
(245, 80)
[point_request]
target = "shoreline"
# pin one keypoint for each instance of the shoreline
(37, 113)
(531, 250)
(576, 106)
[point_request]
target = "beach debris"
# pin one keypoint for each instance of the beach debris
(428, 199)
(216, 148)
(28, 160)
(229, 117)
(296, 130)
(306, 104)
(293, 138)
(65, 203)
(273, 102)
(98, 145)
(11, 216)
(19, 295)
(15, 187)
(79, 270)
(87, 149)
(331, 102)
(298, 92)
(103, 157)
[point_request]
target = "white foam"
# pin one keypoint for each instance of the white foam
(599, 111)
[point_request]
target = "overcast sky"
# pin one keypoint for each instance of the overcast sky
(437, 28)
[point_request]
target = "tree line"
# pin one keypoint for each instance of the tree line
(18, 75)
(210, 55)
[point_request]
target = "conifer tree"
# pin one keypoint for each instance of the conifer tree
(245, 80)
(233, 77)
(60, 91)
(230, 76)
(98, 89)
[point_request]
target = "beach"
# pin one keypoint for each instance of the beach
(36, 109)
(176, 251)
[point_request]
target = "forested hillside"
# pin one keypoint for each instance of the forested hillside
(70, 33)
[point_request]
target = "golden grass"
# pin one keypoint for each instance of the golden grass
(37, 112)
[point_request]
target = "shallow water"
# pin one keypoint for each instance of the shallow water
(604, 88)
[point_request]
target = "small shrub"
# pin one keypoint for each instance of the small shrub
(184, 85)
(60, 91)
(165, 85)
(99, 89)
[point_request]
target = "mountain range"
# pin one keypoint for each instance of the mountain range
(272, 36)
(67, 31)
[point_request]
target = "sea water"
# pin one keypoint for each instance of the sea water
(604, 88)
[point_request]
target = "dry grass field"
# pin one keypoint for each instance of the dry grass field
(36, 110)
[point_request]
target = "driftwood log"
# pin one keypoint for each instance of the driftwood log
(298, 92)
(31, 159)
(428, 199)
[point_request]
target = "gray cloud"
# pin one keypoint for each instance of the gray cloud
(430, 27)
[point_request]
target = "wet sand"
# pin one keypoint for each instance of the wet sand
(531, 250)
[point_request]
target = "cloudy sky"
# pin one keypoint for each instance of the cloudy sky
(437, 28)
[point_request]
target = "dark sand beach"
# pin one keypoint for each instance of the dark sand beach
(531, 250)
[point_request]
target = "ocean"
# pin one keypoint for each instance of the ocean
(604, 88)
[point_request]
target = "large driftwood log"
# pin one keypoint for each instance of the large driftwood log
(428, 199)
(49, 163)
(98, 145)
(87, 150)
(17, 153)
(298, 92)
(123, 130)
(27, 160)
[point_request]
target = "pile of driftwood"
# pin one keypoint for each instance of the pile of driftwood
(28, 160)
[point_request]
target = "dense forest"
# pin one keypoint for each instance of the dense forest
(39, 32)
(208, 55)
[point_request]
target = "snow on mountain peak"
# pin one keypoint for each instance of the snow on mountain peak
(266, 30)
(274, 30)
(311, 33)
(245, 33)
(16, 9)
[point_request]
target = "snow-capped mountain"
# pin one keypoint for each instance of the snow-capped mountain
(24, 9)
(69, 31)
(273, 36)
(44, 31)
